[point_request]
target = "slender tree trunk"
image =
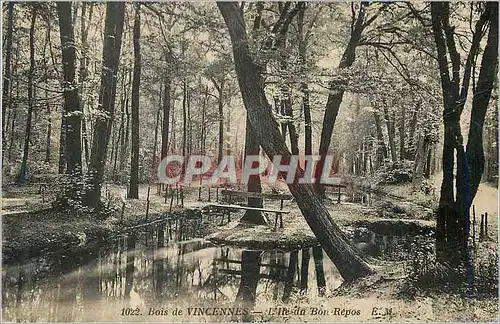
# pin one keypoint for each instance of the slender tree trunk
(6, 98)
(84, 73)
(48, 142)
(220, 89)
(263, 125)
(402, 151)
(390, 133)
(166, 116)
(410, 153)
(381, 148)
(134, 163)
(12, 127)
(31, 99)
(111, 53)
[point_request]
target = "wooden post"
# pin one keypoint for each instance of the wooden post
(473, 226)
(123, 211)
(147, 205)
(338, 198)
(209, 194)
(281, 205)
(199, 193)
(486, 225)
(171, 202)
(217, 194)
(182, 196)
(481, 228)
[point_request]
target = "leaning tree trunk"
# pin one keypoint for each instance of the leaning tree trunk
(113, 29)
(31, 103)
(347, 259)
(336, 94)
(136, 82)
(71, 99)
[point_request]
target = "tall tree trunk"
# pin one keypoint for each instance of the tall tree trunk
(71, 98)
(390, 133)
(6, 98)
(136, 82)
(48, 142)
(220, 102)
(348, 260)
(410, 153)
(111, 55)
(381, 148)
(31, 99)
(62, 144)
(166, 116)
(84, 73)
(336, 94)
(252, 148)
(480, 101)
(402, 152)
(453, 211)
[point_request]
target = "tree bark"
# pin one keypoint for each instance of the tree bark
(402, 151)
(453, 211)
(390, 133)
(136, 83)
(166, 115)
(348, 260)
(6, 98)
(111, 54)
(482, 95)
(84, 73)
(252, 147)
(71, 98)
(381, 148)
(31, 99)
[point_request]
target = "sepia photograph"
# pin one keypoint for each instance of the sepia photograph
(253, 161)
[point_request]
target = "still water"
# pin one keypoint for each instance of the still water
(145, 276)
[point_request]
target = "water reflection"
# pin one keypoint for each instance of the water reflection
(159, 272)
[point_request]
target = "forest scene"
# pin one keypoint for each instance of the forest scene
(250, 161)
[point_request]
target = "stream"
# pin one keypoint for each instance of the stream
(146, 275)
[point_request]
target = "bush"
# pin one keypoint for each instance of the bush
(427, 274)
(396, 172)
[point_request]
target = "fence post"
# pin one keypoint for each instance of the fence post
(123, 211)
(473, 226)
(481, 228)
(486, 225)
(147, 205)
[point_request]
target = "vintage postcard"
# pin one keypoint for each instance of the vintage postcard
(249, 161)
